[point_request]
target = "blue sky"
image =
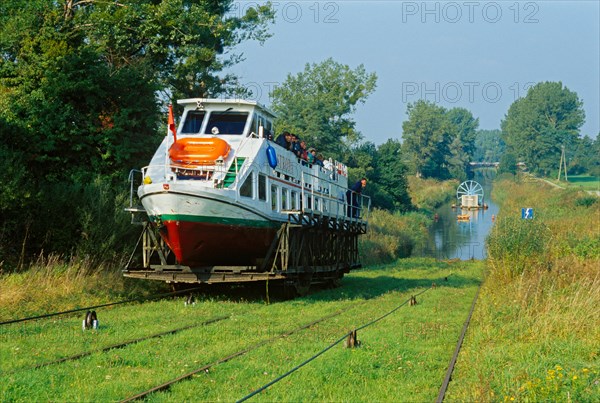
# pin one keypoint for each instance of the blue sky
(480, 55)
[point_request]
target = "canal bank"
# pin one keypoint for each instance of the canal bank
(464, 239)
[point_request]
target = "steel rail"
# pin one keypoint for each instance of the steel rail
(329, 347)
(448, 376)
(121, 345)
(141, 299)
(167, 385)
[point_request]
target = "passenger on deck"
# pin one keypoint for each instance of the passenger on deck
(319, 159)
(303, 153)
(353, 196)
(310, 157)
(295, 145)
(284, 140)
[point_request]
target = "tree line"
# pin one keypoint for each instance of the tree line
(83, 88)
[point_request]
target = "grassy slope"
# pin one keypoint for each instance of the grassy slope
(403, 357)
(536, 330)
(584, 181)
(52, 285)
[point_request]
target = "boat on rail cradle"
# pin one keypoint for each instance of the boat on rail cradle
(221, 202)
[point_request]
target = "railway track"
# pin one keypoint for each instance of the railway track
(127, 301)
(190, 374)
(121, 345)
(126, 343)
(448, 377)
(166, 385)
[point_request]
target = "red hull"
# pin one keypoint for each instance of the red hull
(205, 244)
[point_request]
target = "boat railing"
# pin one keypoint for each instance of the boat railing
(240, 170)
(335, 167)
(138, 213)
(132, 181)
(323, 196)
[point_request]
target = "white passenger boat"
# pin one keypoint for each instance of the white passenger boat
(218, 189)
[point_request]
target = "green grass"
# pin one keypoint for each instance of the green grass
(535, 331)
(428, 194)
(392, 236)
(585, 182)
(533, 337)
(51, 285)
(403, 357)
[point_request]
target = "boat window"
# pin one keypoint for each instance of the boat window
(193, 121)
(294, 200)
(274, 191)
(284, 199)
(268, 129)
(262, 187)
(247, 187)
(261, 121)
(226, 122)
(266, 125)
(254, 124)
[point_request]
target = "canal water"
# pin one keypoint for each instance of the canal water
(452, 239)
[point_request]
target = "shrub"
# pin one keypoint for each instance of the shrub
(428, 194)
(586, 201)
(391, 236)
(515, 245)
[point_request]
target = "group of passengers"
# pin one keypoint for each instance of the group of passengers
(291, 142)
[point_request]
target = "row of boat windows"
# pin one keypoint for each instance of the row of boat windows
(281, 198)
(226, 122)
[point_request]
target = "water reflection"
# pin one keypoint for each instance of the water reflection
(450, 238)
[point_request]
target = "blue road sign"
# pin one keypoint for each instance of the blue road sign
(527, 213)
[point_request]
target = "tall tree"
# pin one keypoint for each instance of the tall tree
(390, 174)
(79, 79)
(318, 103)
(81, 83)
(439, 143)
(463, 129)
(426, 137)
(593, 167)
(507, 163)
(386, 173)
(584, 157)
(538, 125)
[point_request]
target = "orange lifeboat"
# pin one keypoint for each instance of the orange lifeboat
(194, 152)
